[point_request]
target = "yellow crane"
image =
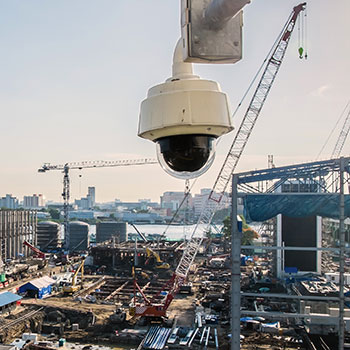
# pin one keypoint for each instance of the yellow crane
(160, 264)
(73, 287)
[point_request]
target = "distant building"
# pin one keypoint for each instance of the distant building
(142, 204)
(91, 197)
(150, 218)
(87, 202)
(82, 203)
(9, 202)
(173, 200)
(33, 202)
(81, 214)
(200, 201)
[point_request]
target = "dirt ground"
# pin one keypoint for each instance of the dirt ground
(183, 309)
(101, 311)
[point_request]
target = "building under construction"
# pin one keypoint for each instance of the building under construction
(16, 226)
(121, 256)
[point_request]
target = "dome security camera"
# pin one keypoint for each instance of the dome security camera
(184, 116)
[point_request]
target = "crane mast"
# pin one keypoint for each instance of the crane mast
(84, 165)
(229, 165)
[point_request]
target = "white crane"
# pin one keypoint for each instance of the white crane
(240, 141)
(85, 165)
(342, 136)
(152, 307)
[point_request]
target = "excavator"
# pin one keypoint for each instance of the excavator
(73, 287)
(159, 263)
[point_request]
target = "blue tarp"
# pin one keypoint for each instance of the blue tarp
(8, 298)
(41, 286)
(261, 207)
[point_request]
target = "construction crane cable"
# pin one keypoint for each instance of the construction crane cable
(237, 108)
(305, 34)
(261, 68)
(342, 136)
(332, 131)
(239, 142)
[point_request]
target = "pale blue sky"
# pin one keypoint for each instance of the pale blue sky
(73, 74)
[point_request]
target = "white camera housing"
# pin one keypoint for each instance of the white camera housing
(184, 116)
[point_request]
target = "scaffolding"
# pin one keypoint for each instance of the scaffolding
(16, 226)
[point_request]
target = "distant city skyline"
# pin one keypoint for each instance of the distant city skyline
(74, 75)
(40, 200)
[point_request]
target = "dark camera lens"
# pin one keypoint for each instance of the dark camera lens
(186, 152)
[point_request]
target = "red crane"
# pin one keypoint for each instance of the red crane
(37, 252)
(158, 305)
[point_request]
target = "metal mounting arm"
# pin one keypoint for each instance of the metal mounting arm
(219, 12)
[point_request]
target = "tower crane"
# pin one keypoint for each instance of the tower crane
(85, 165)
(154, 307)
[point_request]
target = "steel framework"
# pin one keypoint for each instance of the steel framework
(217, 193)
(240, 141)
(305, 172)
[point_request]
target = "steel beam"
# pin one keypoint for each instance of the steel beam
(235, 271)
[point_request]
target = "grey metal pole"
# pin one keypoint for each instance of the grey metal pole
(342, 254)
(235, 271)
(219, 12)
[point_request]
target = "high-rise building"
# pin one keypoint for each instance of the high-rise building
(200, 201)
(172, 200)
(9, 202)
(33, 202)
(87, 202)
(91, 197)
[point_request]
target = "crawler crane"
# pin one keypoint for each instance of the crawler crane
(158, 305)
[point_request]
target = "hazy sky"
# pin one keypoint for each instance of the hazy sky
(73, 74)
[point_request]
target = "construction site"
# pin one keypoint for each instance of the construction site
(276, 276)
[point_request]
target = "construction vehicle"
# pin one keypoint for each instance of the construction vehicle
(37, 252)
(159, 263)
(118, 317)
(84, 165)
(73, 286)
(42, 258)
(158, 305)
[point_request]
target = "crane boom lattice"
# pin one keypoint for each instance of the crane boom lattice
(84, 165)
(342, 136)
(239, 142)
